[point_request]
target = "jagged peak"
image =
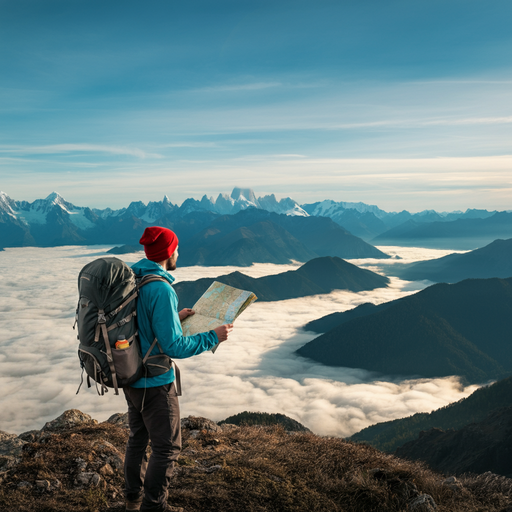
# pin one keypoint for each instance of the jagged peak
(206, 199)
(54, 197)
(4, 198)
(426, 212)
(246, 193)
(6, 203)
(224, 197)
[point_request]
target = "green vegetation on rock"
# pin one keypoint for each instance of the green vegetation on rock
(265, 419)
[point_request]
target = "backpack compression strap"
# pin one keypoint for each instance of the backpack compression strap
(102, 323)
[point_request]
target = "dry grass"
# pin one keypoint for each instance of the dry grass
(248, 469)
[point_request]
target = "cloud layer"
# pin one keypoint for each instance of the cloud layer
(255, 370)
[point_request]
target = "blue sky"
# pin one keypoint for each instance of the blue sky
(403, 104)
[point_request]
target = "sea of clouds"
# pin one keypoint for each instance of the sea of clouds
(255, 370)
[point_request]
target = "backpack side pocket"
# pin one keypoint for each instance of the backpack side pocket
(128, 364)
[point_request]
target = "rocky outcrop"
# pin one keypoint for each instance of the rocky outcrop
(74, 463)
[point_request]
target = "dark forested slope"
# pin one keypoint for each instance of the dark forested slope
(389, 435)
(257, 236)
(461, 329)
(475, 448)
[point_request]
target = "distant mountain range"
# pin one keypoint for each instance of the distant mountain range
(459, 329)
(206, 237)
(390, 435)
(493, 260)
(317, 276)
(455, 230)
(54, 221)
(462, 233)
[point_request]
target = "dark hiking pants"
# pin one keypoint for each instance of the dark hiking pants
(160, 422)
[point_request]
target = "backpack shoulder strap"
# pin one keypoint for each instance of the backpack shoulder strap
(150, 278)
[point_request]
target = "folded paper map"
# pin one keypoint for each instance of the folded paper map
(219, 305)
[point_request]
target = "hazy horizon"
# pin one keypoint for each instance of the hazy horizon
(256, 370)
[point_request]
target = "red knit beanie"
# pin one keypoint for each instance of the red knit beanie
(159, 243)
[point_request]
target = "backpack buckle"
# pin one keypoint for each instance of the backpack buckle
(102, 319)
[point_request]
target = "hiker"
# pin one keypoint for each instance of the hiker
(153, 408)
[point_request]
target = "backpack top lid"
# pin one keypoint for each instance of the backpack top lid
(106, 281)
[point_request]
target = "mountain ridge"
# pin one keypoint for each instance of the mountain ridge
(238, 200)
(390, 435)
(317, 276)
(461, 233)
(493, 260)
(474, 448)
(283, 239)
(446, 329)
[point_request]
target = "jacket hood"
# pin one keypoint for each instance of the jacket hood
(145, 267)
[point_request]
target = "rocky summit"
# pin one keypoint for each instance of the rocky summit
(75, 463)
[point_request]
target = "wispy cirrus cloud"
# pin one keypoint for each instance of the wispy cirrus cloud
(469, 121)
(56, 149)
(189, 145)
(419, 122)
(290, 155)
(257, 86)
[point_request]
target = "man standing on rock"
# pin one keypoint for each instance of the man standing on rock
(153, 408)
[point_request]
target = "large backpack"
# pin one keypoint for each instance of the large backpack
(106, 312)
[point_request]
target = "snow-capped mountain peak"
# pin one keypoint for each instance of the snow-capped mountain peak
(7, 205)
(244, 195)
(54, 197)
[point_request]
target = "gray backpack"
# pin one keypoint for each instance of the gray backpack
(106, 312)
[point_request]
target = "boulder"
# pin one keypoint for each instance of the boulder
(423, 503)
(120, 419)
(67, 419)
(198, 423)
(11, 448)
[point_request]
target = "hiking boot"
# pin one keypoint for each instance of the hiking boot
(133, 506)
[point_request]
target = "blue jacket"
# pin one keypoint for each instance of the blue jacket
(157, 317)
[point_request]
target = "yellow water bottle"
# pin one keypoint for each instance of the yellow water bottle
(122, 343)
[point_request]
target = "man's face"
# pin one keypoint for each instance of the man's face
(171, 262)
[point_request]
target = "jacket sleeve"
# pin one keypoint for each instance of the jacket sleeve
(167, 326)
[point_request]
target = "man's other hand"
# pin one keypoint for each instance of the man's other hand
(223, 331)
(185, 312)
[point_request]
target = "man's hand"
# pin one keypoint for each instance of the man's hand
(223, 331)
(185, 312)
